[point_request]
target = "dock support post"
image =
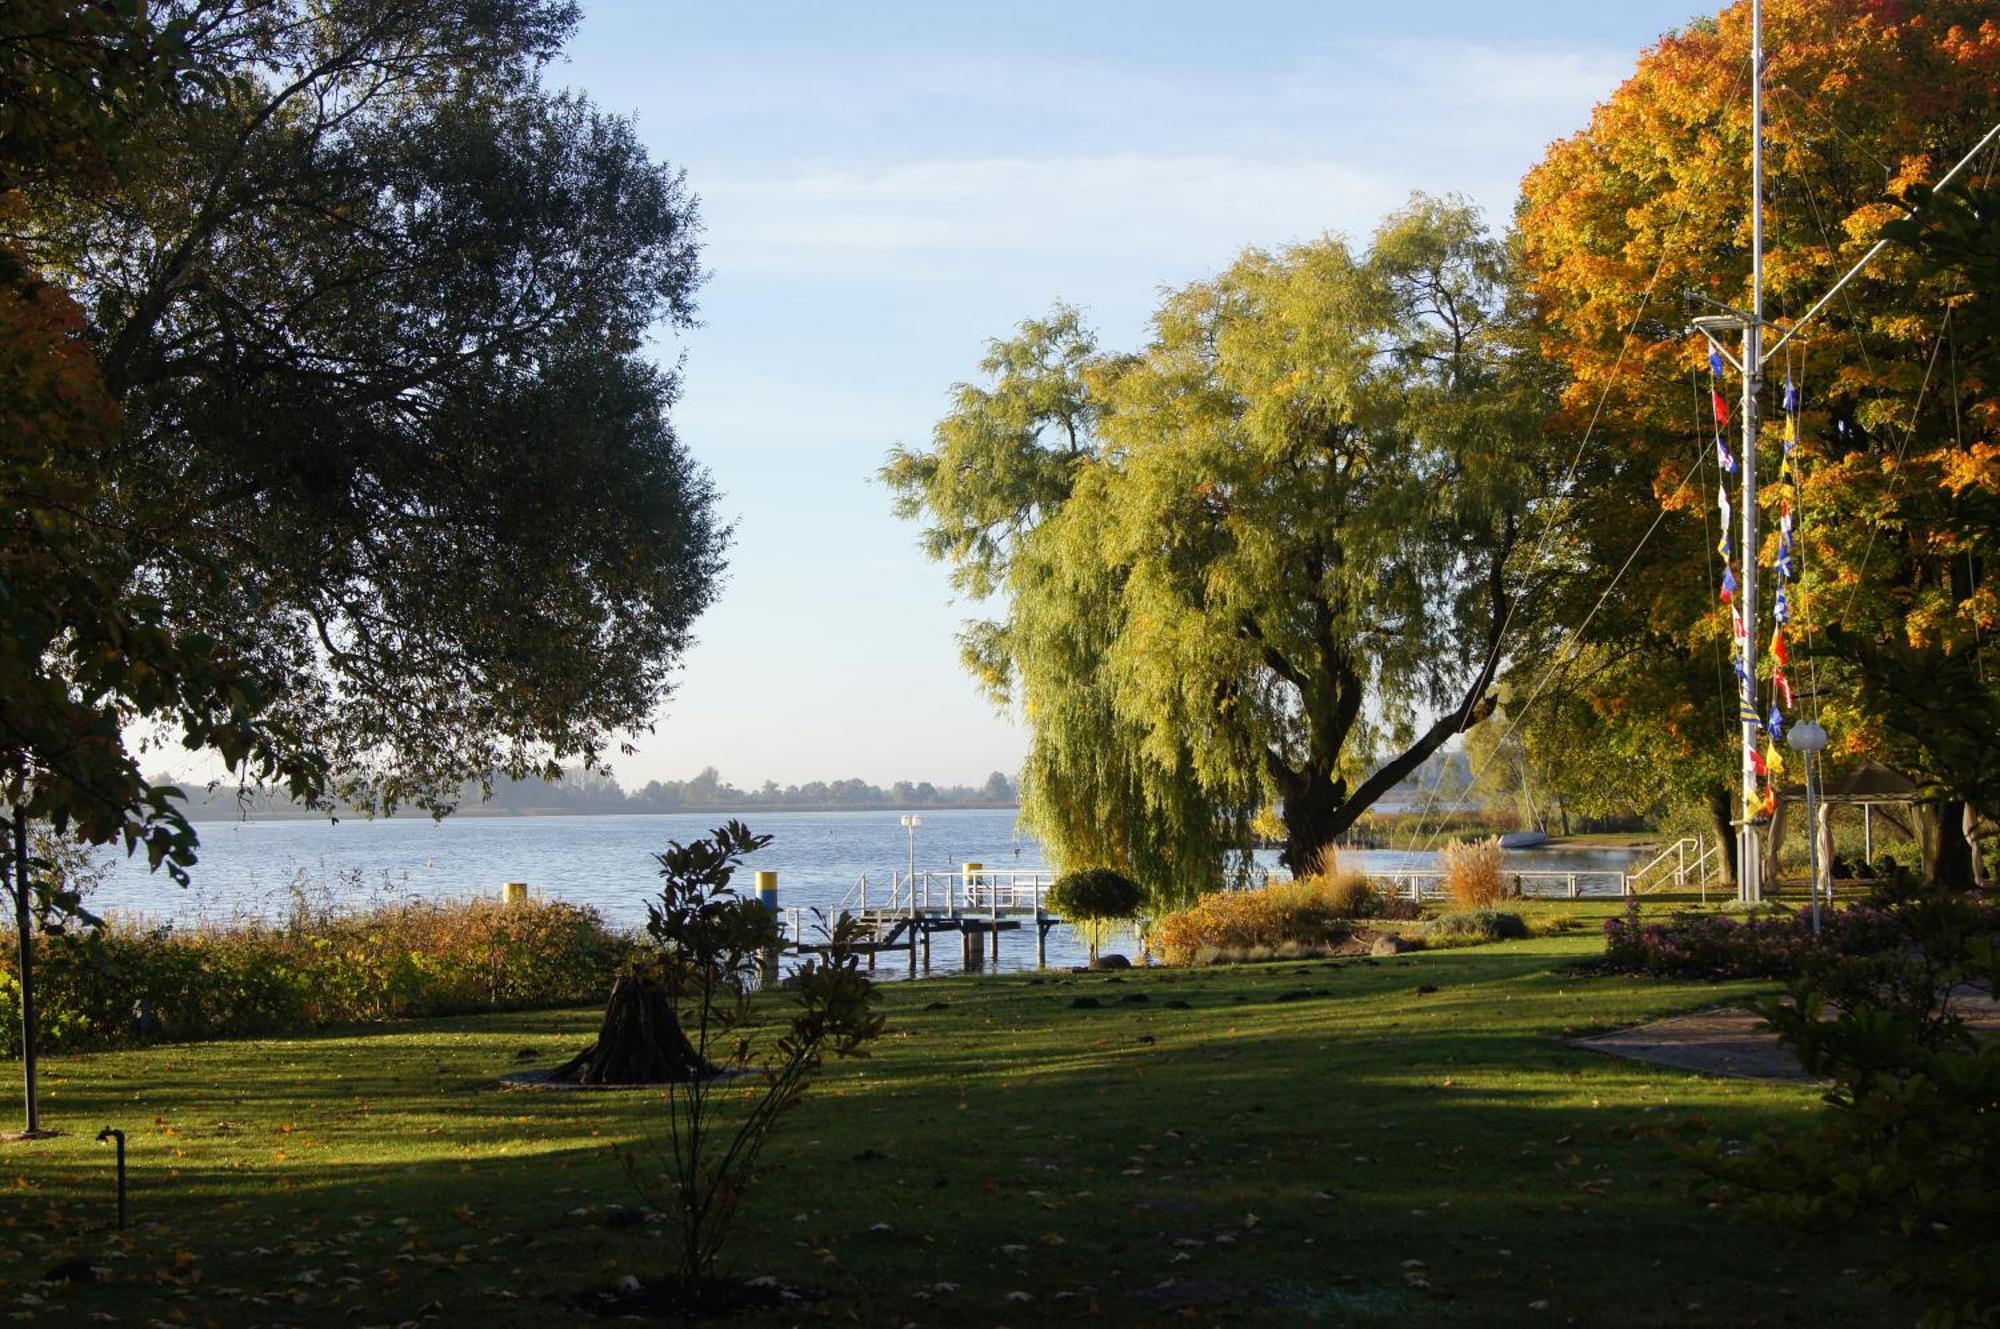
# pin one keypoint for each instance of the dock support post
(1041, 941)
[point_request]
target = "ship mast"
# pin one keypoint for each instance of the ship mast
(1755, 355)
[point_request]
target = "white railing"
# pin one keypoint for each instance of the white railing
(1429, 884)
(1690, 861)
(992, 891)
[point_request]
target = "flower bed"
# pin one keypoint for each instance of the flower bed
(1690, 945)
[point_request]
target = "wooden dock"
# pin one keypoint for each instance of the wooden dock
(904, 914)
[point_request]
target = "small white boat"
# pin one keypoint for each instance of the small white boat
(1523, 839)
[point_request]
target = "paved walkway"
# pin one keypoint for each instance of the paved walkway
(1734, 1042)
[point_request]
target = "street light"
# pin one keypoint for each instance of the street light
(910, 823)
(1809, 739)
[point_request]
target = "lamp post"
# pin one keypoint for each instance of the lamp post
(910, 823)
(1809, 739)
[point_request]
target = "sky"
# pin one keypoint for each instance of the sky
(886, 187)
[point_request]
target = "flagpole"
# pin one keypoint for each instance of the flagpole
(1749, 845)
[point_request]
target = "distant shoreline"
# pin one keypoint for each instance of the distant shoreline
(210, 815)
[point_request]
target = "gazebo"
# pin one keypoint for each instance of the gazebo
(1867, 786)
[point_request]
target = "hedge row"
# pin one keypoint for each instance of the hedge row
(390, 961)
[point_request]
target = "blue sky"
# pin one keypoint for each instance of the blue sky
(886, 186)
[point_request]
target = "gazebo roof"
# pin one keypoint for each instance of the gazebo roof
(1870, 782)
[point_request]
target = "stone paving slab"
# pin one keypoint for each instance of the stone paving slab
(1734, 1042)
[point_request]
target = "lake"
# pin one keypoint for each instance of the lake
(249, 868)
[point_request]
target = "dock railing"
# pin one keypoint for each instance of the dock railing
(1428, 884)
(989, 891)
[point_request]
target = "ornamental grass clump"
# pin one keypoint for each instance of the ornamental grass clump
(1472, 872)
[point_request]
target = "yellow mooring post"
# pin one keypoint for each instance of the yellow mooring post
(767, 895)
(514, 892)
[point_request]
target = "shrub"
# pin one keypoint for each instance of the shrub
(1473, 926)
(1908, 1143)
(1347, 894)
(1472, 874)
(1224, 924)
(1092, 899)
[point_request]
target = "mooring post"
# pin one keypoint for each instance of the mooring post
(514, 893)
(767, 895)
(1041, 940)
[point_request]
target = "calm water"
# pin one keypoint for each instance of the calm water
(249, 868)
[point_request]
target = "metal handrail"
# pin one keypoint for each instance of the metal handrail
(1429, 883)
(1676, 854)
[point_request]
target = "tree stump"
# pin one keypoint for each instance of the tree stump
(640, 1042)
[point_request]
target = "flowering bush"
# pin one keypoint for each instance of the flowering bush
(1689, 945)
(393, 960)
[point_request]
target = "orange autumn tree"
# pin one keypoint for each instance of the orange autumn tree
(1865, 100)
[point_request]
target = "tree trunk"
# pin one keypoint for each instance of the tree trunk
(1947, 853)
(1721, 814)
(640, 1042)
(1311, 808)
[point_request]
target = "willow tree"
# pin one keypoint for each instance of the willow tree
(1273, 555)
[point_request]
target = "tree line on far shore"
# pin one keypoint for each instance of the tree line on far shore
(581, 791)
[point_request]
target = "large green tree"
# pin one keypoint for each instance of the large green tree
(372, 303)
(1287, 536)
(327, 442)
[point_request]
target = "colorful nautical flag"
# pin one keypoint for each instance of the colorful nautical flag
(1774, 761)
(1724, 457)
(1777, 723)
(1757, 763)
(1728, 585)
(1785, 565)
(1736, 621)
(1742, 670)
(1781, 608)
(1791, 396)
(1721, 408)
(1780, 650)
(1791, 432)
(1748, 715)
(1782, 682)
(1715, 362)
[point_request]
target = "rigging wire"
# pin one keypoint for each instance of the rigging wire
(1909, 432)
(1558, 660)
(1569, 475)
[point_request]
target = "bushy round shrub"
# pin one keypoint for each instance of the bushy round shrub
(1478, 925)
(1096, 895)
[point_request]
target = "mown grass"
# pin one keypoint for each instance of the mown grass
(1303, 1141)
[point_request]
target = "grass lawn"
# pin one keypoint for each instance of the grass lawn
(1302, 1141)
